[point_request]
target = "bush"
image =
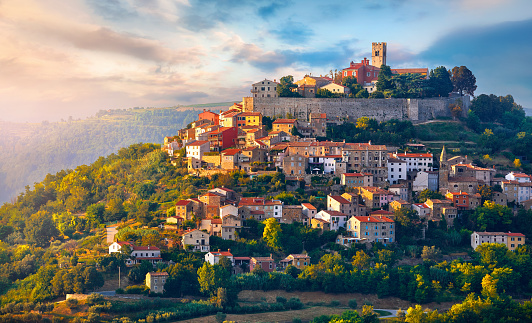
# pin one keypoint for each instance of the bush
(137, 289)
(294, 303)
(353, 303)
(220, 317)
(72, 303)
(335, 303)
(296, 320)
(94, 298)
(119, 291)
(280, 299)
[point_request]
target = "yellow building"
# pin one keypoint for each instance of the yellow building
(249, 119)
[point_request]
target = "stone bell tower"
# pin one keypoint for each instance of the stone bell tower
(378, 54)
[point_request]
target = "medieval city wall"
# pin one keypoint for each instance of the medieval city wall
(353, 108)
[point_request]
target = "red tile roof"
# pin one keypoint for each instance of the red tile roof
(356, 174)
(183, 202)
(373, 219)
(413, 155)
(198, 143)
(309, 206)
(230, 152)
(162, 273)
(339, 199)
(222, 253)
(290, 121)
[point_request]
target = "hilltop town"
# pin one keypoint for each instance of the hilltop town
(299, 212)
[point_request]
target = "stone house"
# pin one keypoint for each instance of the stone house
(319, 223)
(292, 213)
(300, 261)
(230, 159)
(335, 219)
(156, 281)
(196, 240)
(295, 165)
(231, 225)
(285, 125)
(356, 179)
(184, 209)
(138, 253)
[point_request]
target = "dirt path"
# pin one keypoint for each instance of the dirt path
(111, 231)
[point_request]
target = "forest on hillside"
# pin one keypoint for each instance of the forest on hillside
(30, 151)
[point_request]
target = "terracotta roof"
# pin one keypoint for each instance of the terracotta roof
(162, 273)
(321, 220)
(339, 199)
(262, 258)
(183, 202)
(256, 212)
(512, 234)
(285, 121)
(198, 143)
(230, 152)
(210, 194)
(241, 258)
(356, 174)
(216, 221)
(373, 219)
(309, 206)
(222, 253)
(410, 70)
(363, 146)
(400, 201)
(398, 186)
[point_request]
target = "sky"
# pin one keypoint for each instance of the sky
(61, 59)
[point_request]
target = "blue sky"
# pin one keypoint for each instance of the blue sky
(73, 58)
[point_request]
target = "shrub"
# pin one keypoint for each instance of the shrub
(72, 303)
(335, 303)
(353, 303)
(220, 317)
(280, 299)
(294, 303)
(94, 299)
(119, 291)
(296, 320)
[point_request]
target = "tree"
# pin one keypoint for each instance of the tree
(40, 228)
(363, 123)
(285, 87)
(440, 82)
(430, 253)
(272, 233)
(352, 83)
(384, 81)
(492, 217)
(376, 95)
(362, 94)
(485, 192)
(456, 109)
(211, 277)
(517, 163)
(361, 260)
(428, 194)
(463, 80)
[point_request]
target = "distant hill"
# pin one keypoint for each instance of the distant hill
(30, 151)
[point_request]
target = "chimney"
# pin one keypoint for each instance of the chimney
(219, 250)
(271, 255)
(229, 250)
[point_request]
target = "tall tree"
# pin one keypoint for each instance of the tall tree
(440, 81)
(40, 228)
(284, 89)
(384, 81)
(272, 233)
(463, 80)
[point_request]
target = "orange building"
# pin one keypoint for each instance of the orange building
(459, 199)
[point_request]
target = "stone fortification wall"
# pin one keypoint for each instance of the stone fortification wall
(379, 109)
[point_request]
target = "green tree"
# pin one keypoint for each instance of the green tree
(492, 217)
(210, 278)
(427, 194)
(384, 81)
(463, 80)
(440, 81)
(376, 95)
(352, 83)
(362, 94)
(286, 87)
(40, 229)
(272, 233)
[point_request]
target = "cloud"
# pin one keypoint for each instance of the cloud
(293, 32)
(270, 10)
(499, 55)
